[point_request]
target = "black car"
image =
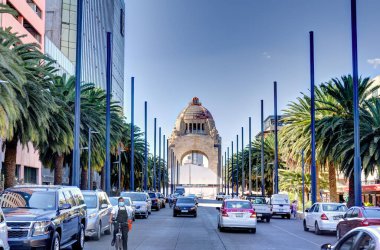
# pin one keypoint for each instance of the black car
(185, 206)
(156, 201)
(44, 217)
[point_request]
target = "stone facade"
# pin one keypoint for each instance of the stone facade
(195, 131)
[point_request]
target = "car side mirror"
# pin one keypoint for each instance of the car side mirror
(65, 206)
(218, 208)
(306, 210)
(326, 246)
(103, 206)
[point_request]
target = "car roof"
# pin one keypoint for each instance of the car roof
(92, 191)
(40, 187)
(236, 200)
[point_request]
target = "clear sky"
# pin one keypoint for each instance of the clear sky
(229, 52)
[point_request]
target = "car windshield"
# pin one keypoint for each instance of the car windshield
(238, 204)
(90, 200)
(28, 198)
(372, 213)
(334, 208)
(259, 200)
(185, 200)
(135, 196)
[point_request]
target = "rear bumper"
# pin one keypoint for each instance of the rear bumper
(263, 215)
(190, 212)
(328, 225)
(234, 223)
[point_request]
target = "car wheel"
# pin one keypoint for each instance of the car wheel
(174, 215)
(146, 215)
(338, 236)
(305, 228)
(288, 216)
(79, 244)
(55, 243)
(108, 231)
(267, 219)
(195, 215)
(158, 207)
(253, 230)
(283, 216)
(98, 232)
(317, 230)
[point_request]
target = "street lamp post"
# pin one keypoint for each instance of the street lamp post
(237, 165)
(154, 155)
(262, 150)
(146, 147)
(159, 159)
(303, 181)
(242, 162)
(312, 127)
(132, 188)
(232, 168)
(275, 140)
(250, 156)
(108, 114)
(228, 172)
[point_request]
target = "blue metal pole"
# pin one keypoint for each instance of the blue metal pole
(225, 172)
(262, 150)
(108, 113)
(237, 165)
(132, 188)
(242, 162)
(275, 140)
(172, 171)
(159, 159)
(167, 166)
(78, 56)
(154, 155)
(303, 181)
(357, 161)
(146, 148)
(250, 156)
(232, 168)
(163, 167)
(312, 127)
(228, 171)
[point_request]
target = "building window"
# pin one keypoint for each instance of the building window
(203, 127)
(122, 22)
(30, 175)
(32, 30)
(35, 8)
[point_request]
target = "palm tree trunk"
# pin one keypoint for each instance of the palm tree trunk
(83, 176)
(351, 191)
(10, 162)
(58, 169)
(332, 183)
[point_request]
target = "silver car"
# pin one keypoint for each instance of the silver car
(3, 232)
(358, 238)
(142, 202)
(99, 210)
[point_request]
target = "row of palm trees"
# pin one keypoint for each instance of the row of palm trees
(37, 107)
(334, 135)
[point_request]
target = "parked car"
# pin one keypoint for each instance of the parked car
(262, 207)
(180, 190)
(128, 203)
(162, 199)
(236, 213)
(323, 216)
(358, 217)
(193, 196)
(142, 202)
(281, 205)
(48, 217)
(358, 238)
(199, 195)
(227, 197)
(156, 201)
(220, 196)
(99, 210)
(185, 206)
(3, 232)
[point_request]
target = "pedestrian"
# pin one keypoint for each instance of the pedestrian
(294, 208)
(119, 214)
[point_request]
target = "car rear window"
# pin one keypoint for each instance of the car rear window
(372, 213)
(334, 208)
(134, 196)
(238, 204)
(259, 201)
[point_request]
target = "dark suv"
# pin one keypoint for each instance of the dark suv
(44, 217)
(156, 201)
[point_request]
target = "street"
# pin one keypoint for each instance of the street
(162, 231)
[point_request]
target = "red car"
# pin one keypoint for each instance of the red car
(358, 217)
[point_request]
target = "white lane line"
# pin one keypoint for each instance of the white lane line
(295, 235)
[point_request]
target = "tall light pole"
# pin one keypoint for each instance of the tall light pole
(275, 140)
(167, 166)
(225, 172)
(242, 162)
(154, 155)
(228, 172)
(146, 146)
(89, 173)
(232, 168)
(163, 167)
(78, 66)
(159, 159)
(108, 114)
(262, 150)
(237, 165)
(250, 156)
(312, 127)
(132, 188)
(357, 160)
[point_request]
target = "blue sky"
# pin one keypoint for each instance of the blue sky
(229, 52)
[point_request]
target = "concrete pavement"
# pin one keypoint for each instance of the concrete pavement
(162, 231)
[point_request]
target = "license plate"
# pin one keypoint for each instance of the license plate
(338, 217)
(239, 215)
(259, 215)
(281, 210)
(184, 211)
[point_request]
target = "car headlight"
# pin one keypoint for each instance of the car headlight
(41, 228)
(93, 215)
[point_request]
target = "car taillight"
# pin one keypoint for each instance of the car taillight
(253, 214)
(224, 213)
(271, 208)
(365, 223)
(324, 217)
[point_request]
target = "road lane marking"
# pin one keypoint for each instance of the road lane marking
(295, 235)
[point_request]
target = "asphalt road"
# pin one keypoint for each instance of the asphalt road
(162, 231)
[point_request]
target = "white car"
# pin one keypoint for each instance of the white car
(128, 203)
(3, 232)
(236, 213)
(323, 216)
(281, 205)
(220, 196)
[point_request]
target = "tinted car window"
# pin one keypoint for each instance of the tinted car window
(334, 208)
(316, 208)
(61, 199)
(355, 213)
(28, 198)
(259, 200)
(371, 213)
(238, 204)
(348, 242)
(91, 200)
(311, 209)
